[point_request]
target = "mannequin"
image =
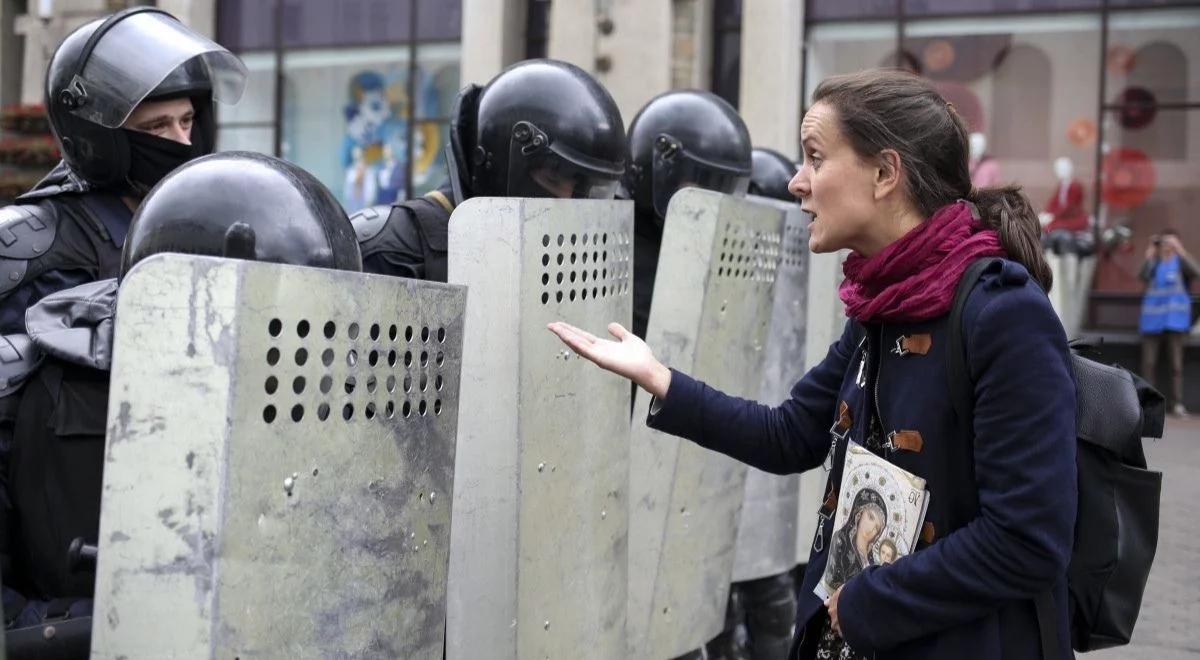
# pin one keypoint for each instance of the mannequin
(985, 171)
(1065, 206)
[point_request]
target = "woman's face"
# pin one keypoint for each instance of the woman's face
(869, 525)
(836, 186)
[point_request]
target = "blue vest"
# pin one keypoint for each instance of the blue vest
(1167, 307)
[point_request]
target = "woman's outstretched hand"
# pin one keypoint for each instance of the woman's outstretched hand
(629, 356)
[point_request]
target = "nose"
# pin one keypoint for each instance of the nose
(179, 133)
(800, 185)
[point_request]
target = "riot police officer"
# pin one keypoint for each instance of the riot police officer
(268, 210)
(770, 174)
(679, 139)
(129, 98)
(542, 128)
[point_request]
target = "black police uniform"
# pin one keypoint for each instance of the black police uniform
(407, 239)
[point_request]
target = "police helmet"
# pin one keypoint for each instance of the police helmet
(686, 138)
(103, 70)
(247, 206)
(542, 128)
(771, 172)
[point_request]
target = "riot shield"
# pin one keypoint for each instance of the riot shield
(766, 536)
(538, 555)
(279, 463)
(712, 306)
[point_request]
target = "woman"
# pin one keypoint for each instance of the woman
(885, 174)
(852, 543)
(1167, 309)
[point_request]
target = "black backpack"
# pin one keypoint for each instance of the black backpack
(1116, 526)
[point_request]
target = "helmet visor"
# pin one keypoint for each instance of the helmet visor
(676, 168)
(545, 169)
(136, 55)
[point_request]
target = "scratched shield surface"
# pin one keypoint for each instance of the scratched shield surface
(767, 534)
(279, 466)
(712, 307)
(538, 557)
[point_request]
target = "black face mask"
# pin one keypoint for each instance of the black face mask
(151, 158)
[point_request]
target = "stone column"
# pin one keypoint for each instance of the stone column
(770, 96)
(493, 37)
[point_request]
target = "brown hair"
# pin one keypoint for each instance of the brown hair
(891, 109)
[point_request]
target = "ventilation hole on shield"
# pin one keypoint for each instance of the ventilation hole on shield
(572, 294)
(441, 335)
(302, 329)
(545, 240)
(559, 279)
(275, 327)
(424, 382)
(604, 291)
(297, 412)
(269, 414)
(605, 238)
(374, 331)
(373, 358)
(545, 279)
(327, 357)
(560, 240)
(424, 358)
(372, 384)
(407, 383)
(389, 410)
(585, 239)
(437, 407)
(330, 329)
(545, 297)
(353, 331)
(272, 384)
(560, 259)
(408, 333)
(298, 385)
(351, 383)
(437, 383)
(595, 257)
(421, 408)
(352, 358)
(585, 257)
(391, 384)
(572, 258)
(406, 409)
(301, 356)
(273, 356)
(391, 358)
(441, 357)
(323, 412)
(326, 384)
(594, 290)
(348, 412)
(583, 294)
(407, 359)
(370, 411)
(572, 277)
(557, 297)
(545, 260)
(392, 331)
(424, 335)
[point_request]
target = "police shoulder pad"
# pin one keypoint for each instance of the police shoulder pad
(19, 356)
(370, 221)
(27, 231)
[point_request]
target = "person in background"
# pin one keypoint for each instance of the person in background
(1167, 309)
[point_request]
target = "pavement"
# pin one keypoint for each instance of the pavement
(1168, 627)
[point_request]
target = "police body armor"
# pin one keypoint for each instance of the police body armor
(712, 306)
(538, 560)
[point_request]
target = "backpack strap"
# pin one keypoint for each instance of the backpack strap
(961, 390)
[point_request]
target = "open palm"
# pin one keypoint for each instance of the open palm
(629, 356)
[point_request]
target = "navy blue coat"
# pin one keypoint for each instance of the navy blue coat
(1002, 505)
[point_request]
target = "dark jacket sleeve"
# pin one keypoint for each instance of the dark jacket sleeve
(1147, 271)
(790, 438)
(1024, 452)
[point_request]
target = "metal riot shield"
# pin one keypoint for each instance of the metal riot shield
(279, 463)
(538, 555)
(766, 537)
(712, 306)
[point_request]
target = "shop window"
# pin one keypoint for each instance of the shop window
(1021, 106)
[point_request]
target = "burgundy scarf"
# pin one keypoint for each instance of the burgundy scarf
(913, 279)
